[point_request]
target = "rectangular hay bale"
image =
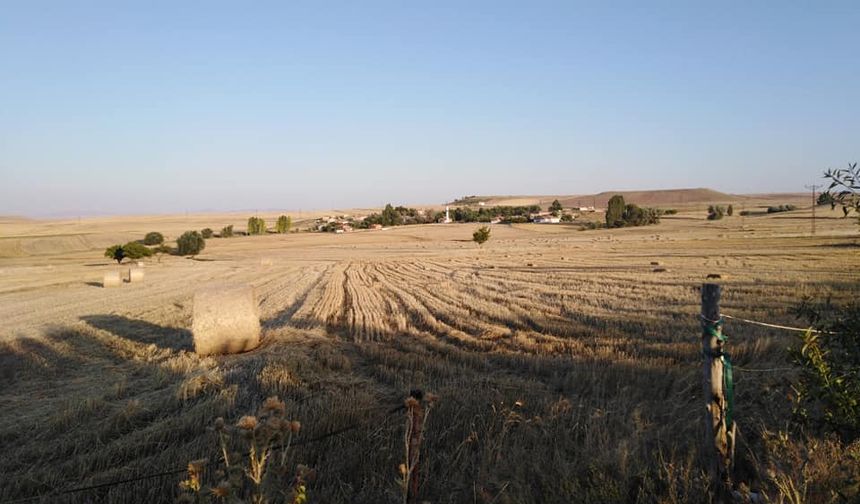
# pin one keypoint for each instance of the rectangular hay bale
(226, 319)
(111, 279)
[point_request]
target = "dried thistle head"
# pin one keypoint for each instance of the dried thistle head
(247, 423)
(295, 426)
(274, 406)
(222, 490)
(411, 402)
(431, 397)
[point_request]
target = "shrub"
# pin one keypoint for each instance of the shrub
(827, 395)
(190, 243)
(153, 238)
(207, 233)
(227, 231)
(670, 211)
(481, 235)
(615, 211)
(716, 212)
(555, 208)
(116, 253)
(730, 210)
(781, 208)
(135, 250)
(256, 226)
(284, 224)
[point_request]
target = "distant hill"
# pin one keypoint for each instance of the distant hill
(659, 197)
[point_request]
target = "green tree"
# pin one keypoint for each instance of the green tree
(153, 238)
(227, 231)
(615, 211)
(207, 233)
(134, 250)
(730, 210)
(116, 253)
(284, 224)
(481, 235)
(555, 208)
(844, 189)
(390, 216)
(190, 243)
(256, 226)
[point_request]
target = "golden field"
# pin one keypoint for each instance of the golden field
(568, 370)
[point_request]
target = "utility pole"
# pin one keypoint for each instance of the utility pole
(813, 187)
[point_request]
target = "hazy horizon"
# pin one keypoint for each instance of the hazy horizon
(165, 108)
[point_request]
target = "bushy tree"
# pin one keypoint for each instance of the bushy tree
(134, 250)
(227, 231)
(284, 224)
(256, 226)
(190, 243)
(730, 210)
(844, 189)
(390, 216)
(615, 211)
(555, 208)
(115, 252)
(481, 235)
(153, 238)
(207, 233)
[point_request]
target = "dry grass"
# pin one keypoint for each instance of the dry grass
(567, 369)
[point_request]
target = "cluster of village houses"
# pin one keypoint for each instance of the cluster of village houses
(345, 223)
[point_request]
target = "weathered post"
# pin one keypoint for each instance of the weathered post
(717, 383)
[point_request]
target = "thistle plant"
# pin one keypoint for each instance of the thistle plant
(252, 469)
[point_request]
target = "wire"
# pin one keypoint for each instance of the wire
(776, 326)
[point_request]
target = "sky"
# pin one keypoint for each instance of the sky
(169, 106)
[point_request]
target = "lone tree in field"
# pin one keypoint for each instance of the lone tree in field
(190, 243)
(256, 226)
(153, 238)
(844, 189)
(555, 208)
(730, 210)
(284, 224)
(207, 233)
(227, 231)
(116, 253)
(615, 211)
(481, 235)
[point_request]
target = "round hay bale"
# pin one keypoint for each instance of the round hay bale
(135, 275)
(660, 270)
(655, 263)
(111, 279)
(226, 319)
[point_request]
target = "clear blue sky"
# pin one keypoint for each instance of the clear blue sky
(125, 107)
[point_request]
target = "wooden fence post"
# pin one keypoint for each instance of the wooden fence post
(719, 426)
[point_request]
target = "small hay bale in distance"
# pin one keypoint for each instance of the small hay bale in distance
(660, 270)
(135, 275)
(226, 319)
(655, 263)
(111, 279)
(714, 275)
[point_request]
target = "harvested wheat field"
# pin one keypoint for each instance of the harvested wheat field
(567, 363)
